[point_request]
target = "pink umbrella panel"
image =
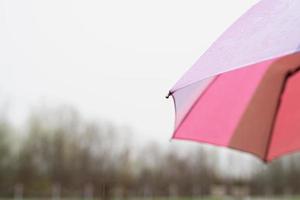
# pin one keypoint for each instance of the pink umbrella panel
(244, 92)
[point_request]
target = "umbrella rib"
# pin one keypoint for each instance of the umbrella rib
(194, 104)
(287, 76)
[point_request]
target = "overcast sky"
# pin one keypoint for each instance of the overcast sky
(112, 60)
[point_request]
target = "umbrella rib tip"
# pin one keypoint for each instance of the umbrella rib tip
(169, 94)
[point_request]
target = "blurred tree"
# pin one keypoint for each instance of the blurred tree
(6, 163)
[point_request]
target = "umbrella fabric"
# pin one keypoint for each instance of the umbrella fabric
(244, 91)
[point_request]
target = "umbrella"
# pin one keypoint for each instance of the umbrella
(244, 91)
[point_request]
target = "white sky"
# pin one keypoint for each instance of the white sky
(112, 60)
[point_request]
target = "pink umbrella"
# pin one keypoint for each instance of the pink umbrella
(244, 91)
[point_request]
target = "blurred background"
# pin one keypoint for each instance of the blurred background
(82, 107)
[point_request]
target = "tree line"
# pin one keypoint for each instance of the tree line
(58, 153)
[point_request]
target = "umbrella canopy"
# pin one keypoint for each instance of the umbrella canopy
(244, 91)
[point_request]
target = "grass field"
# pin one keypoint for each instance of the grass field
(227, 198)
